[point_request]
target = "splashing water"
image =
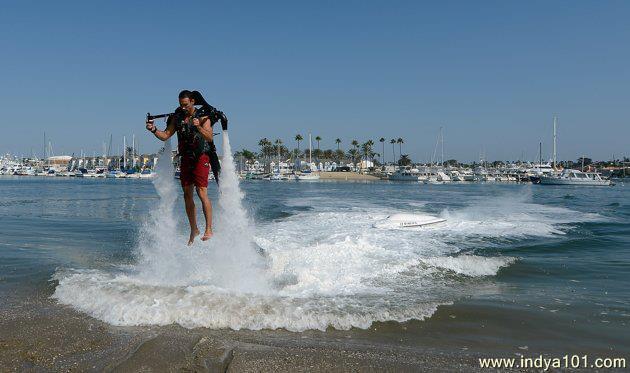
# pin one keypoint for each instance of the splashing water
(338, 271)
(233, 245)
(228, 260)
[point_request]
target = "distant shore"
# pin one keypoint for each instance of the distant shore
(346, 176)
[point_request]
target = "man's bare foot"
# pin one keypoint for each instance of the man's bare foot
(193, 234)
(207, 235)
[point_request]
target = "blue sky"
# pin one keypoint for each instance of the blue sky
(493, 73)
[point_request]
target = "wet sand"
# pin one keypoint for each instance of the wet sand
(37, 334)
(40, 335)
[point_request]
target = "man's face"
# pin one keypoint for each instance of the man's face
(187, 104)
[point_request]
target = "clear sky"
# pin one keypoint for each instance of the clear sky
(493, 73)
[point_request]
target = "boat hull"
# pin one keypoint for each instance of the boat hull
(559, 181)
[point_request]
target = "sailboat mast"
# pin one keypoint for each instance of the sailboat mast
(133, 151)
(555, 123)
(310, 151)
(442, 142)
(124, 152)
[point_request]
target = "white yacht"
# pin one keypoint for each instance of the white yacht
(306, 176)
(403, 174)
(437, 177)
(467, 175)
(148, 174)
(574, 177)
(277, 177)
(455, 175)
(443, 177)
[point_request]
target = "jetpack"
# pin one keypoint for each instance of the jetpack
(204, 109)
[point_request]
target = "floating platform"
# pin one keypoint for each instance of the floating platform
(407, 221)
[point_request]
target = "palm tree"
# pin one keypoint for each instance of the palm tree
(355, 143)
(354, 155)
(365, 149)
(318, 139)
(248, 155)
(298, 138)
(400, 141)
(370, 150)
(264, 145)
(339, 155)
(278, 143)
(382, 141)
(393, 142)
(404, 160)
(373, 154)
(338, 141)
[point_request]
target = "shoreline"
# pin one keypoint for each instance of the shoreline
(346, 176)
(41, 334)
(38, 333)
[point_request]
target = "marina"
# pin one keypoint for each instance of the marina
(276, 163)
(602, 174)
(345, 186)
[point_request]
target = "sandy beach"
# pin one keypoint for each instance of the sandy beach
(40, 335)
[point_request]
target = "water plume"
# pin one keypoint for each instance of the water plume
(228, 260)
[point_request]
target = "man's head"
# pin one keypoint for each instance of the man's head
(186, 101)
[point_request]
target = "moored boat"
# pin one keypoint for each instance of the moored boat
(574, 177)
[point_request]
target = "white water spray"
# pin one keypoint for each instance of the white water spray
(228, 260)
(338, 271)
(233, 245)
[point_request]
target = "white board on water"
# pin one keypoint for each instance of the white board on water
(408, 221)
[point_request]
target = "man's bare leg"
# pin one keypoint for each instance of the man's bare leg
(202, 192)
(190, 211)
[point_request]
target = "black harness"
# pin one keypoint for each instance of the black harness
(191, 144)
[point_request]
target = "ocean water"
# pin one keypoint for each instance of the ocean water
(301, 256)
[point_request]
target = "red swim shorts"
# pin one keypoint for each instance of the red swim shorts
(195, 171)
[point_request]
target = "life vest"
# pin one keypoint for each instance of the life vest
(190, 143)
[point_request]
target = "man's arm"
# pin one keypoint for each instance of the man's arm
(204, 127)
(162, 135)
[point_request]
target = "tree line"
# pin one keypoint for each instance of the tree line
(356, 153)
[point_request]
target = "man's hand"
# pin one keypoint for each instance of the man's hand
(150, 126)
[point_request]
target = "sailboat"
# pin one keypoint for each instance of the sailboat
(437, 174)
(569, 176)
(307, 175)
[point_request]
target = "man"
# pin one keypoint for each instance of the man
(194, 138)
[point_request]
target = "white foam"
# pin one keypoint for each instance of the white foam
(325, 267)
(471, 265)
(112, 299)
